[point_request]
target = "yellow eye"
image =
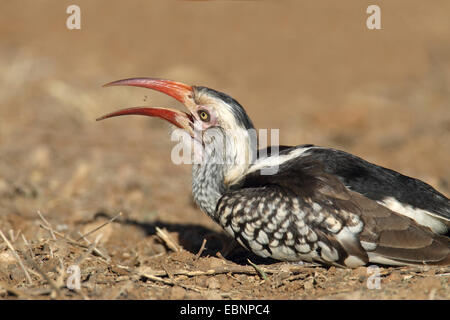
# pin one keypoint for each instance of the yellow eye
(204, 115)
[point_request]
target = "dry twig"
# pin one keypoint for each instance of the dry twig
(27, 275)
(237, 269)
(50, 228)
(170, 282)
(52, 284)
(90, 249)
(164, 236)
(73, 242)
(202, 248)
(99, 227)
(261, 272)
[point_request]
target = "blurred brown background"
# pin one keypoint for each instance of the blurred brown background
(310, 68)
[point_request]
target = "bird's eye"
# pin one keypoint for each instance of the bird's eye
(204, 115)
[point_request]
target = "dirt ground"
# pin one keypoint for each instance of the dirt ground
(311, 69)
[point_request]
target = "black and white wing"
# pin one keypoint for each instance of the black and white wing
(302, 213)
(402, 194)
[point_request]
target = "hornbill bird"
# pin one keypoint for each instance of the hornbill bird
(317, 205)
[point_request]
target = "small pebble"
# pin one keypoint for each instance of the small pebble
(212, 283)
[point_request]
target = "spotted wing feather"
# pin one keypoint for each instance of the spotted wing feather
(304, 213)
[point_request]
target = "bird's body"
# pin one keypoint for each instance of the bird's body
(316, 217)
(317, 204)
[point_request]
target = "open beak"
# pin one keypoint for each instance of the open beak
(177, 90)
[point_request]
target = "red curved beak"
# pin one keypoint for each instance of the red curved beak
(180, 91)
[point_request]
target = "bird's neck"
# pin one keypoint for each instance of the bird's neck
(208, 186)
(222, 165)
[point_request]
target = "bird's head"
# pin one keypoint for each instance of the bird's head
(206, 109)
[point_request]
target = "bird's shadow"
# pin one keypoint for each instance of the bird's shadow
(191, 236)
